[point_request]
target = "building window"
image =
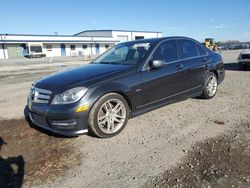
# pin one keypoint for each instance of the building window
(72, 47)
(106, 46)
(139, 37)
(49, 47)
(122, 38)
(84, 47)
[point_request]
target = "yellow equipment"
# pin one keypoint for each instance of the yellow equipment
(210, 43)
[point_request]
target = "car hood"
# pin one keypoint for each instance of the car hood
(86, 75)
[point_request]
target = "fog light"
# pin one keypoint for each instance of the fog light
(64, 124)
(82, 108)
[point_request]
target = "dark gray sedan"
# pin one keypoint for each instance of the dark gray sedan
(128, 80)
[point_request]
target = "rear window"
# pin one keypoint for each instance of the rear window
(188, 48)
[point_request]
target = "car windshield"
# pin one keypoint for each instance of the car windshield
(36, 49)
(125, 53)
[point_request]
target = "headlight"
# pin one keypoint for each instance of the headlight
(70, 96)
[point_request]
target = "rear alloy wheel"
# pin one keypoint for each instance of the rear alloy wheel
(210, 86)
(109, 115)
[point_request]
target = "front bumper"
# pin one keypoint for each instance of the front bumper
(59, 119)
(57, 131)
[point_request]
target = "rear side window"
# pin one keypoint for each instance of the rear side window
(201, 50)
(166, 51)
(188, 48)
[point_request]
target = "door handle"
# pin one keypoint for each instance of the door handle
(179, 67)
(205, 59)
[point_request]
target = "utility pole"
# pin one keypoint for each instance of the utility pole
(93, 24)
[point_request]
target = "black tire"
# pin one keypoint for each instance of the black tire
(93, 116)
(205, 93)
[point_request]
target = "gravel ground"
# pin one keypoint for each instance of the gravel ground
(218, 162)
(17, 79)
(45, 60)
(156, 143)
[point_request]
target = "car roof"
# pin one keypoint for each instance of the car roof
(159, 39)
(245, 51)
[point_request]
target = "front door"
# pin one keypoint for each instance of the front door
(166, 82)
(63, 51)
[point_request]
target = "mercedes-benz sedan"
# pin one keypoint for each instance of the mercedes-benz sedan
(129, 79)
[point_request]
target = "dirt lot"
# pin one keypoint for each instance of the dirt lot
(194, 143)
(32, 157)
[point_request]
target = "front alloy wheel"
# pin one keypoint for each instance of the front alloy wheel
(109, 115)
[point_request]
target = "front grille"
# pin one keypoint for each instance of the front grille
(39, 95)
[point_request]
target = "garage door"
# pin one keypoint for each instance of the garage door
(14, 51)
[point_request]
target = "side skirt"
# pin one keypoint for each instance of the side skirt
(164, 102)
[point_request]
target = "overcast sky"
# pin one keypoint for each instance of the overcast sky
(220, 19)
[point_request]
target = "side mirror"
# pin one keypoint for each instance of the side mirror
(156, 64)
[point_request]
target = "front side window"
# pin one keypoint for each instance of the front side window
(188, 49)
(167, 52)
(125, 53)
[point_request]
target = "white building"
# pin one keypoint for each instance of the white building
(86, 43)
(120, 35)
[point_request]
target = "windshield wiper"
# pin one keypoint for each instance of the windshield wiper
(113, 63)
(106, 62)
(110, 62)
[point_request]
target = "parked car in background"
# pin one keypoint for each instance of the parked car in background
(244, 59)
(34, 51)
(129, 79)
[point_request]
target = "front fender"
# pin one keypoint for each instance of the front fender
(99, 91)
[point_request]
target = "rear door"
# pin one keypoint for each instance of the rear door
(165, 82)
(194, 58)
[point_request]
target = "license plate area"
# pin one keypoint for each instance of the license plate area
(39, 119)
